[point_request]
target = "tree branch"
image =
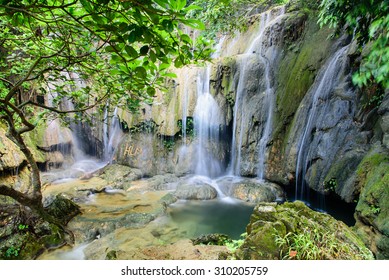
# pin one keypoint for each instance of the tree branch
(28, 126)
(65, 112)
(21, 81)
(16, 195)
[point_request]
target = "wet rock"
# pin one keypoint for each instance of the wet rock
(162, 182)
(294, 231)
(212, 239)
(158, 155)
(24, 236)
(62, 208)
(168, 199)
(383, 111)
(372, 210)
(10, 155)
(120, 176)
(251, 190)
(195, 191)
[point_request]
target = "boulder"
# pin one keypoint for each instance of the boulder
(294, 231)
(372, 210)
(195, 191)
(251, 190)
(119, 175)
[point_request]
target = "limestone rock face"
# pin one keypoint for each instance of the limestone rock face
(10, 156)
(383, 111)
(274, 229)
(155, 155)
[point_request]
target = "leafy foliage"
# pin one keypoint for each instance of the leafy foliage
(235, 244)
(368, 21)
(124, 47)
(228, 15)
(12, 252)
(70, 56)
(312, 244)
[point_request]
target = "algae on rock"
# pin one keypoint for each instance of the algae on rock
(372, 210)
(294, 231)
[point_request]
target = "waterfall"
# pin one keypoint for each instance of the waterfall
(255, 49)
(319, 93)
(113, 136)
(207, 118)
(269, 103)
(185, 106)
(105, 129)
(81, 162)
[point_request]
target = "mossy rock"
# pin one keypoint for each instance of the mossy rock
(28, 241)
(372, 210)
(276, 232)
(212, 239)
(298, 68)
(63, 209)
(111, 255)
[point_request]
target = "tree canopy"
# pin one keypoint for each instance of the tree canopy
(122, 49)
(368, 21)
(226, 16)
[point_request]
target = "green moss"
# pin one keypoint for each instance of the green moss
(298, 68)
(372, 210)
(54, 239)
(63, 209)
(31, 143)
(373, 203)
(229, 66)
(37, 135)
(111, 255)
(293, 230)
(370, 162)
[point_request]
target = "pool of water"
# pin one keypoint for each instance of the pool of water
(216, 216)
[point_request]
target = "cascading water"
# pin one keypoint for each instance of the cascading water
(105, 129)
(113, 136)
(185, 108)
(206, 122)
(82, 163)
(321, 90)
(255, 49)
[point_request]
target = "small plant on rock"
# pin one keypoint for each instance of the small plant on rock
(12, 252)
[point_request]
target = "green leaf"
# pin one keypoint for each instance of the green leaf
(109, 49)
(180, 4)
(132, 37)
(87, 6)
(186, 38)
(151, 91)
(194, 23)
(124, 68)
(144, 50)
(170, 75)
(178, 62)
(164, 66)
(168, 25)
(141, 72)
(192, 8)
(131, 51)
(163, 3)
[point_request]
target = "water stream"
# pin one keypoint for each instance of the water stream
(206, 122)
(321, 90)
(254, 52)
(114, 135)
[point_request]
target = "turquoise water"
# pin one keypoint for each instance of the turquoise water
(215, 216)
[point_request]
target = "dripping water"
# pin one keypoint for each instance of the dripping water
(321, 89)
